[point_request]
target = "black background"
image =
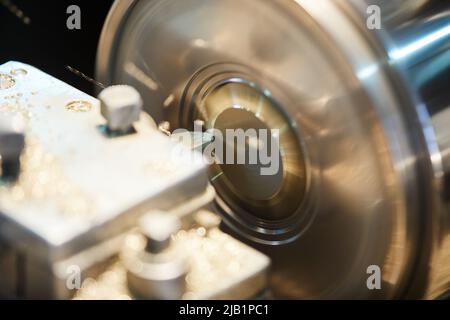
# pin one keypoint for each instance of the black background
(278, 309)
(47, 43)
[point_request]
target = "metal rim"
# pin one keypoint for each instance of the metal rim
(423, 139)
(409, 240)
(275, 232)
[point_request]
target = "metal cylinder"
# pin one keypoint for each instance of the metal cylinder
(363, 118)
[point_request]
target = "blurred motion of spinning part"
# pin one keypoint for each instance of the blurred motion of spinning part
(94, 205)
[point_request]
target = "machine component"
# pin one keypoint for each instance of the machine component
(156, 268)
(12, 142)
(223, 100)
(67, 223)
(220, 267)
(158, 228)
(79, 191)
(121, 106)
(362, 113)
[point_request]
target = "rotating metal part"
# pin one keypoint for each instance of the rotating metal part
(362, 116)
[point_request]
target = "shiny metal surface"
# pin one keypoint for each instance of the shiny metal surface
(416, 47)
(366, 108)
(220, 267)
(79, 189)
(224, 97)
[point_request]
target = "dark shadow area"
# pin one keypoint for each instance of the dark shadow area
(45, 41)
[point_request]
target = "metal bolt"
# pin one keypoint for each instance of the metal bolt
(158, 228)
(121, 106)
(12, 143)
(160, 271)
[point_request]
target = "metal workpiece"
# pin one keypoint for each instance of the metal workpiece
(98, 199)
(121, 106)
(362, 113)
(79, 190)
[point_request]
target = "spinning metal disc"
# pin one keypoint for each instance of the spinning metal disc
(347, 196)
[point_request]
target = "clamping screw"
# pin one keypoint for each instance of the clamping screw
(12, 143)
(121, 106)
(158, 228)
